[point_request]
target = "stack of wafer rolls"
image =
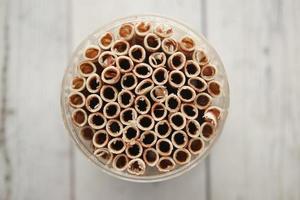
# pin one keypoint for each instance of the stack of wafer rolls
(145, 99)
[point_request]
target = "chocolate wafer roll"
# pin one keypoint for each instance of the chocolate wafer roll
(107, 58)
(208, 131)
(208, 72)
(86, 68)
(197, 83)
(157, 59)
(86, 133)
(176, 61)
(164, 147)
(110, 75)
(143, 70)
(120, 47)
(93, 83)
(150, 157)
(79, 117)
(97, 120)
(182, 156)
(159, 93)
(129, 81)
(192, 69)
(152, 42)
(169, 46)
(165, 164)
(200, 57)
(162, 129)
(142, 105)
(78, 84)
(193, 128)
(124, 63)
(91, 53)
(145, 122)
(111, 110)
(103, 155)
(130, 133)
(134, 149)
(76, 99)
(141, 30)
(202, 101)
(179, 139)
(148, 139)
(177, 121)
(116, 145)
(100, 139)
(160, 76)
(212, 114)
(173, 103)
(136, 167)
(163, 30)
(114, 127)
(137, 53)
(108, 93)
(128, 116)
(144, 87)
(196, 146)
(186, 94)
(93, 103)
(125, 98)
(189, 110)
(120, 162)
(187, 45)
(106, 40)
(176, 79)
(126, 31)
(158, 111)
(214, 88)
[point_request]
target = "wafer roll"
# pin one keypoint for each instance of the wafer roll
(214, 88)
(163, 30)
(136, 166)
(86, 68)
(103, 155)
(193, 128)
(120, 162)
(208, 72)
(159, 93)
(163, 129)
(93, 83)
(134, 149)
(197, 83)
(200, 57)
(108, 93)
(152, 42)
(141, 30)
(144, 87)
(142, 105)
(187, 45)
(158, 111)
(169, 46)
(182, 156)
(116, 145)
(176, 79)
(143, 70)
(160, 76)
(111, 110)
(76, 99)
(79, 117)
(173, 103)
(78, 84)
(186, 94)
(130, 133)
(100, 139)
(128, 116)
(106, 40)
(189, 110)
(96, 120)
(137, 53)
(176, 61)
(150, 157)
(124, 63)
(177, 121)
(164, 147)
(129, 81)
(110, 75)
(145, 122)
(214, 110)
(192, 69)
(208, 131)
(91, 53)
(148, 139)
(86, 133)
(120, 47)
(93, 103)
(165, 164)
(179, 139)
(126, 31)
(202, 101)
(157, 59)
(107, 58)
(114, 127)
(125, 98)
(196, 146)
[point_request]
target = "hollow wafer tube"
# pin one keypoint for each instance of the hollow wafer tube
(165, 164)
(130, 133)
(196, 146)
(128, 116)
(100, 139)
(120, 162)
(157, 59)
(79, 117)
(208, 131)
(86, 133)
(162, 129)
(176, 61)
(202, 100)
(86, 68)
(97, 120)
(158, 111)
(137, 53)
(110, 75)
(187, 44)
(148, 139)
(142, 105)
(126, 31)
(78, 83)
(182, 156)
(103, 155)
(142, 70)
(124, 63)
(179, 139)
(107, 58)
(106, 40)
(125, 98)
(200, 57)
(163, 30)
(111, 110)
(129, 81)
(136, 167)
(93, 103)
(145, 122)
(208, 72)
(144, 86)
(108, 93)
(169, 46)
(93, 83)
(189, 110)
(159, 93)
(177, 121)
(197, 83)
(176, 79)
(214, 110)
(76, 99)
(152, 42)
(186, 94)
(164, 147)
(114, 127)
(193, 128)
(91, 53)
(120, 47)
(150, 157)
(192, 69)
(160, 76)
(134, 149)
(141, 30)
(116, 145)
(214, 88)
(173, 103)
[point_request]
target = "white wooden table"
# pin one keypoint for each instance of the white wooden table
(258, 154)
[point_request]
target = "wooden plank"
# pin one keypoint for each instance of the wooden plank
(258, 155)
(37, 143)
(91, 183)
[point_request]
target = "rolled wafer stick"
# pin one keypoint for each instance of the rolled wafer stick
(129, 81)
(177, 121)
(106, 40)
(179, 139)
(125, 98)
(197, 83)
(143, 70)
(165, 164)
(76, 99)
(107, 58)
(160, 76)
(126, 31)
(164, 147)
(163, 30)
(134, 149)
(193, 128)
(78, 83)
(128, 116)
(79, 117)
(142, 105)
(111, 110)
(186, 94)
(108, 93)
(124, 63)
(159, 93)
(87, 133)
(148, 139)
(192, 69)
(97, 120)
(215, 110)
(187, 44)
(208, 72)
(130, 133)
(91, 53)
(120, 162)
(93, 103)
(176, 79)
(110, 75)
(173, 103)
(86, 68)
(196, 146)
(158, 111)
(136, 166)
(100, 139)
(116, 145)
(157, 59)
(103, 155)
(169, 46)
(208, 131)
(150, 157)
(137, 53)
(163, 129)
(114, 127)
(176, 61)
(120, 47)
(214, 88)
(145, 122)
(93, 83)
(141, 30)
(202, 100)
(189, 110)
(152, 42)
(182, 156)
(144, 86)
(200, 57)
